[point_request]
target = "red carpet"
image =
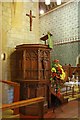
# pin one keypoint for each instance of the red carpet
(70, 110)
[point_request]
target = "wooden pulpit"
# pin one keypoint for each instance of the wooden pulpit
(33, 71)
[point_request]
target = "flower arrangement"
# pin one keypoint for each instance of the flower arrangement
(57, 75)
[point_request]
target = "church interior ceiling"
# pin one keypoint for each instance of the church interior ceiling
(51, 6)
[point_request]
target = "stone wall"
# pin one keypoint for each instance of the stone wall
(0, 40)
(16, 30)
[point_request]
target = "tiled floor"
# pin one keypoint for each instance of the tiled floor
(68, 110)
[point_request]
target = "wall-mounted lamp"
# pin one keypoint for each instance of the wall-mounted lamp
(41, 12)
(47, 2)
(3, 56)
(58, 2)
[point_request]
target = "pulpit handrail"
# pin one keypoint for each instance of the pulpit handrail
(16, 88)
(10, 82)
(22, 103)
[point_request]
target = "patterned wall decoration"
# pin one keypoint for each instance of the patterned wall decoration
(66, 53)
(63, 24)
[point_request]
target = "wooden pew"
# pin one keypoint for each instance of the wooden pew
(67, 71)
(75, 70)
(71, 69)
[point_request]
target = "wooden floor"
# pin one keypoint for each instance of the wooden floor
(68, 110)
